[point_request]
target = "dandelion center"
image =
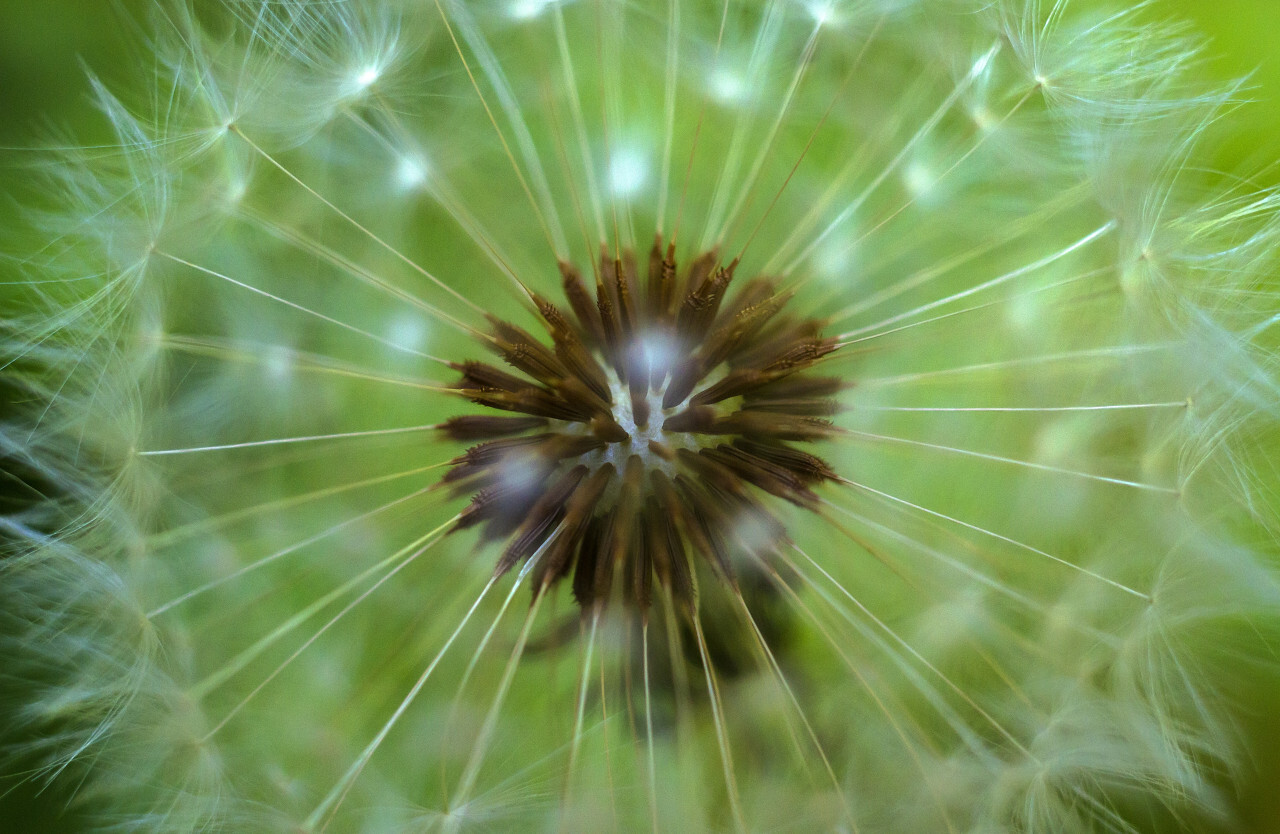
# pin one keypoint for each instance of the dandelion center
(644, 439)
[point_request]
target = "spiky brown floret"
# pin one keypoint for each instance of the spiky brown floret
(647, 432)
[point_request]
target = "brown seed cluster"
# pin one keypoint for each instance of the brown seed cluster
(642, 438)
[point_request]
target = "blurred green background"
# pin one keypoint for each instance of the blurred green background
(44, 47)
(47, 45)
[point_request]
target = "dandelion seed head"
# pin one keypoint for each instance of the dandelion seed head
(627, 444)
(867, 497)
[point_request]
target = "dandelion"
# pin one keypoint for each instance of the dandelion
(597, 416)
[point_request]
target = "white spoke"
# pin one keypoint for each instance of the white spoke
(1037, 551)
(717, 714)
(433, 537)
(462, 796)
(362, 229)
(964, 696)
(312, 246)
(1114, 353)
(581, 704)
(229, 669)
(648, 729)
(1040, 467)
(1031, 409)
(892, 165)
(329, 805)
(556, 244)
(294, 305)
(179, 533)
(302, 361)
(668, 108)
(986, 285)
(281, 441)
(280, 554)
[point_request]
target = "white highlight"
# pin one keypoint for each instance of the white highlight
(984, 61)
(528, 9)
(659, 354)
(367, 76)
(835, 259)
(411, 172)
(728, 87)
(821, 12)
(408, 331)
(918, 179)
(628, 172)
(278, 363)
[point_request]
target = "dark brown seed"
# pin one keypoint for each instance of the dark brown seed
(479, 427)
(580, 301)
(541, 520)
(543, 481)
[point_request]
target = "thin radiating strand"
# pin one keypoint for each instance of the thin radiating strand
(294, 305)
(444, 194)
(697, 129)
(1037, 551)
(796, 165)
(889, 713)
(889, 168)
(608, 754)
(1032, 223)
(785, 686)
(858, 162)
(581, 704)
(280, 441)
(511, 107)
(432, 538)
(875, 637)
(571, 181)
(650, 756)
(579, 121)
(602, 61)
(985, 285)
(987, 305)
(229, 669)
(668, 111)
(717, 715)
(480, 749)
(1116, 352)
(982, 138)
(362, 229)
(515, 166)
(474, 661)
(1034, 606)
(763, 44)
(281, 553)
(1028, 408)
(230, 351)
(312, 246)
(1041, 467)
(328, 806)
(964, 696)
(749, 194)
(181, 532)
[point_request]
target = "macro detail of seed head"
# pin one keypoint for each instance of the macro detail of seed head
(661, 407)
(834, 415)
